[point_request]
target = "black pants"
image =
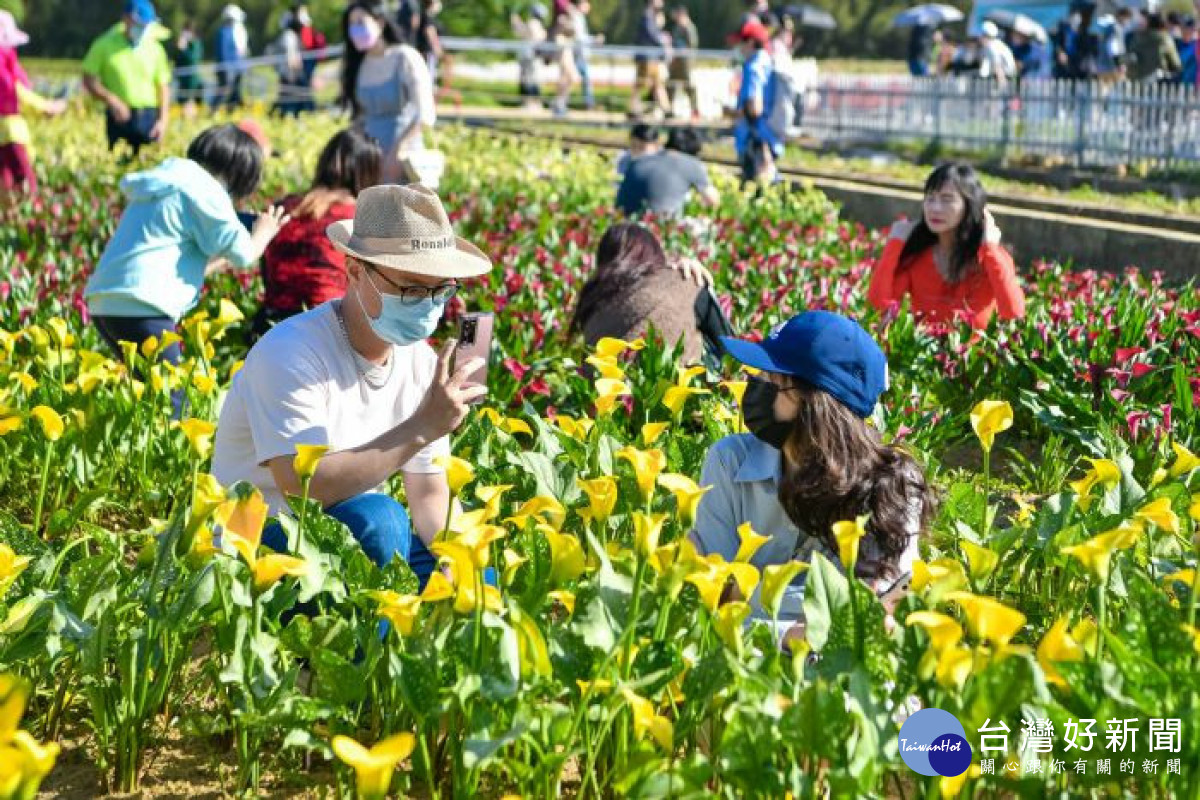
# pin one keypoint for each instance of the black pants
(136, 130)
(115, 330)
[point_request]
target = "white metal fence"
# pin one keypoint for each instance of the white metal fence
(1084, 123)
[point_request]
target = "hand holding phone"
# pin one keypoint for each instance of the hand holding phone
(475, 341)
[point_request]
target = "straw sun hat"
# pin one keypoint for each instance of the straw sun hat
(406, 228)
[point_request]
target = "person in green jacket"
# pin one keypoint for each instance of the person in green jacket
(1154, 55)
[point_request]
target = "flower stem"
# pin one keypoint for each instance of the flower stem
(41, 498)
(303, 513)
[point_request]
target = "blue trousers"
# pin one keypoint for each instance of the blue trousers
(382, 528)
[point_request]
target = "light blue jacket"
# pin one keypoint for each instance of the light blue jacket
(179, 218)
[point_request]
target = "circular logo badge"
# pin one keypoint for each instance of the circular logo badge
(933, 742)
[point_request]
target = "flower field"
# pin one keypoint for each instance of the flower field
(139, 612)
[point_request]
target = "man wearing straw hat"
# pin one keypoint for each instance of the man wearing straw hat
(357, 375)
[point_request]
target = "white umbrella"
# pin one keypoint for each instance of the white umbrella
(1018, 23)
(930, 15)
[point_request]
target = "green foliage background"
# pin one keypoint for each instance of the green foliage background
(63, 28)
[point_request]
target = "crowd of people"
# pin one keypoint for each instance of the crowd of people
(1131, 44)
(359, 268)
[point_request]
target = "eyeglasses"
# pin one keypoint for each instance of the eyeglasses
(412, 295)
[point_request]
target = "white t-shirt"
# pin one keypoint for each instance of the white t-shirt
(301, 385)
(377, 70)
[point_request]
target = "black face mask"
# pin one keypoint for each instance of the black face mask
(758, 412)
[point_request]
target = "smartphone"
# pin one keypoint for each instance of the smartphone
(475, 341)
(897, 590)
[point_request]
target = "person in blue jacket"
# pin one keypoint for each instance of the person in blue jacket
(179, 220)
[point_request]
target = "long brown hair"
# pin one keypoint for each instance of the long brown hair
(350, 162)
(627, 253)
(836, 467)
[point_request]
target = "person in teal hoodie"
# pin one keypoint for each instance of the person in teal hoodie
(179, 221)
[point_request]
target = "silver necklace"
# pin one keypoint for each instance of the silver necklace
(363, 372)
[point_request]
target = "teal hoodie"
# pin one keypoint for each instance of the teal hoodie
(178, 219)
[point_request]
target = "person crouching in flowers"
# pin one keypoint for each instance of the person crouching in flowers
(356, 375)
(950, 262)
(811, 459)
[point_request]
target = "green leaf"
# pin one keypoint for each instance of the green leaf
(826, 593)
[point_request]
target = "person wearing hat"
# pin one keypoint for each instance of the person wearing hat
(757, 145)
(811, 459)
(997, 60)
(16, 164)
(233, 48)
(127, 69)
(356, 375)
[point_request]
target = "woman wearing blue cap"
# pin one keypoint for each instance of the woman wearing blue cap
(811, 459)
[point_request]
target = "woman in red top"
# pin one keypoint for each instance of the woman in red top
(950, 262)
(301, 269)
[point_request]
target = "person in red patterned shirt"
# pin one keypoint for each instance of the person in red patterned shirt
(301, 269)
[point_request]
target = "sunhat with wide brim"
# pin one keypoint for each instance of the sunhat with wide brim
(406, 228)
(11, 35)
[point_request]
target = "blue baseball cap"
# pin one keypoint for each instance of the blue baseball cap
(141, 10)
(828, 350)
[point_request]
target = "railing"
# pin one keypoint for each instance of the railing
(1082, 123)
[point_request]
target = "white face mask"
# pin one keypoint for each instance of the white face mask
(365, 35)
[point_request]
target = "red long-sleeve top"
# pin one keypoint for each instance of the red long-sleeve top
(984, 291)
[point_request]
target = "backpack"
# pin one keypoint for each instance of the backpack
(783, 96)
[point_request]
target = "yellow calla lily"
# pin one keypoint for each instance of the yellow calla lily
(14, 693)
(491, 496)
(566, 555)
(687, 495)
(9, 422)
(651, 431)
(271, 568)
(728, 624)
(602, 496)
(954, 665)
(1185, 460)
(988, 618)
(532, 652)
(982, 561)
(458, 472)
(608, 392)
(646, 530)
(1193, 632)
(1104, 473)
(52, 424)
(575, 428)
(647, 466)
(542, 508)
(401, 610)
(647, 723)
(308, 457)
(373, 768)
(564, 598)
(1096, 553)
(941, 575)
(1184, 576)
(199, 433)
(749, 543)
(676, 396)
(1057, 646)
(11, 567)
(951, 787)
(610, 347)
(607, 367)
(207, 498)
(1194, 510)
(476, 536)
(848, 533)
(944, 631)
(242, 520)
(462, 565)
(775, 579)
(437, 589)
(1160, 513)
(988, 418)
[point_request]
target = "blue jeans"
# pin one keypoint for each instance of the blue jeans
(585, 79)
(381, 527)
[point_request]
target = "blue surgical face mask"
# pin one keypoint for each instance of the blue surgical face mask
(402, 324)
(136, 32)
